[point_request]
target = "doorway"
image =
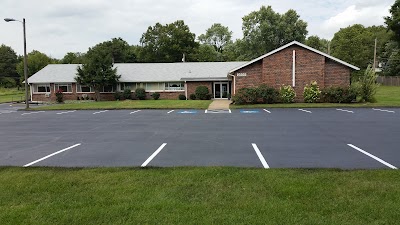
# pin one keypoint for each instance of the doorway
(221, 89)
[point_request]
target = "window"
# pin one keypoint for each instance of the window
(130, 86)
(83, 89)
(42, 88)
(108, 88)
(154, 86)
(174, 86)
(63, 87)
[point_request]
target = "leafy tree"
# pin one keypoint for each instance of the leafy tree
(73, 58)
(355, 44)
(217, 36)
(234, 51)
(393, 21)
(207, 53)
(167, 43)
(318, 43)
(97, 71)
(391, 59)
(8, 65)
(120, 50)
(266, 30)
(36, 62)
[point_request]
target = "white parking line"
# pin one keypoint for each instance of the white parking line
(372, 156)
(384, 110)
(305, 111)
(205, 111)
(343, 110)
(153, 155)
(135, 111)
(55, 153)
(266, 111)
(66, 112)
(170, 111)
(100, 112)
(31, 113)
(260, 156)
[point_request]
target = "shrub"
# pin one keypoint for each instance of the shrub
(339, 94)
(127, 94)
(140, 93)
(238, 99)
(82, 98)
(202, 93)
(118, 95)
(287, 94)
(311, 93)
(59, 96)
(87, 98)
(182, 97)
(368, 85)
(7, 82)
(156, 95)
(77, 98)
(92, 98)
(192, 97)
(268, 94)
(246, 96)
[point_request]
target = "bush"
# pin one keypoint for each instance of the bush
(82, 98)
(140, 93)
(339, 94)
(311, 93)
(118, 95)
(156, 95)
(238, 99)
(59, 96)
(92, 98)
(368, 85)
(77, 98)
(127, 94)
(7, 82)
(268, 95)
(246, 96)
(87, 98)
(192, 97)
(287, 94)
(182, 97)
(202, 93)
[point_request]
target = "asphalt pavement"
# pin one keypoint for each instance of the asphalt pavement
(361, 138)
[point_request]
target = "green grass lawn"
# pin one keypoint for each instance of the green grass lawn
(11, 94)
(198, 196)
(386, 96)
(131, 104)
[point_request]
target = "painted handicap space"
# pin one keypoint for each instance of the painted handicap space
(187, 112)
(249, 111)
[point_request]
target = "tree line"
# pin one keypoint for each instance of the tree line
(263, 30)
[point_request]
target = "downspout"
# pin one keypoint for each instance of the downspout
(294, 69)
(186, 90)
(234, 83)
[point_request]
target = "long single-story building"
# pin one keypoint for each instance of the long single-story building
(293, 64)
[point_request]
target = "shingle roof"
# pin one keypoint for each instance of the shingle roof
(288, 45)
(143, 72)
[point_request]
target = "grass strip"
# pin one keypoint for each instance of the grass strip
(198, 196)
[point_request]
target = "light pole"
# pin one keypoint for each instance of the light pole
(25, 61)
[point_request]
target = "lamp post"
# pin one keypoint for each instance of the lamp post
(25, 61)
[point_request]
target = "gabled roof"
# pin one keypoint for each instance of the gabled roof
(143, 72)
(288, 45)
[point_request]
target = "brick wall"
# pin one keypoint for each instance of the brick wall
(336, 74)
(191, 86)
(276, 70)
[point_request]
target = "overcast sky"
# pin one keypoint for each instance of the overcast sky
(56, 27)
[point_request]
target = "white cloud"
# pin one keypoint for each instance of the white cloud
(56, 27)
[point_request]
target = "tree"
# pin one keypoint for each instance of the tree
(119, 49)
(168, 43)
(207, 53)
(8, 65)
(393, 21)
(266, 30)
(217, 36)
(36, 62)
(355, 44)
(97, 71)
(73, 58)
(318, 43)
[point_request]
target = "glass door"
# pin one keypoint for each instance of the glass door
(221, 89)
(217, 90)
(224, 87)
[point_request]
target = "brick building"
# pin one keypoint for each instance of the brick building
(293, 64)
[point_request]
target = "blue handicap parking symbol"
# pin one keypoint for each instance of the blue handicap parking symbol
(249, 111)
(187, 111)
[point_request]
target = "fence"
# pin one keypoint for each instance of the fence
(389, 81)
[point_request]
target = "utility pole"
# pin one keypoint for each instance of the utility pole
(376, 42)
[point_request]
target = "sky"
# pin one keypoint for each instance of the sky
(56, 27)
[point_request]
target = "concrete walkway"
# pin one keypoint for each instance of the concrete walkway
(219, 104)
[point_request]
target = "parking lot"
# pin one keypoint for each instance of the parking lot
(360, 138)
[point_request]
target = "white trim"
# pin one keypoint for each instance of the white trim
(221, 83)
(288, 45)
(63, 84)
(294, 69)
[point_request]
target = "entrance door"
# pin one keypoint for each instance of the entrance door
(221, 89)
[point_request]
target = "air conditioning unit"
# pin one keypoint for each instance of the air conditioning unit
(84, 96)
(47, 95)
